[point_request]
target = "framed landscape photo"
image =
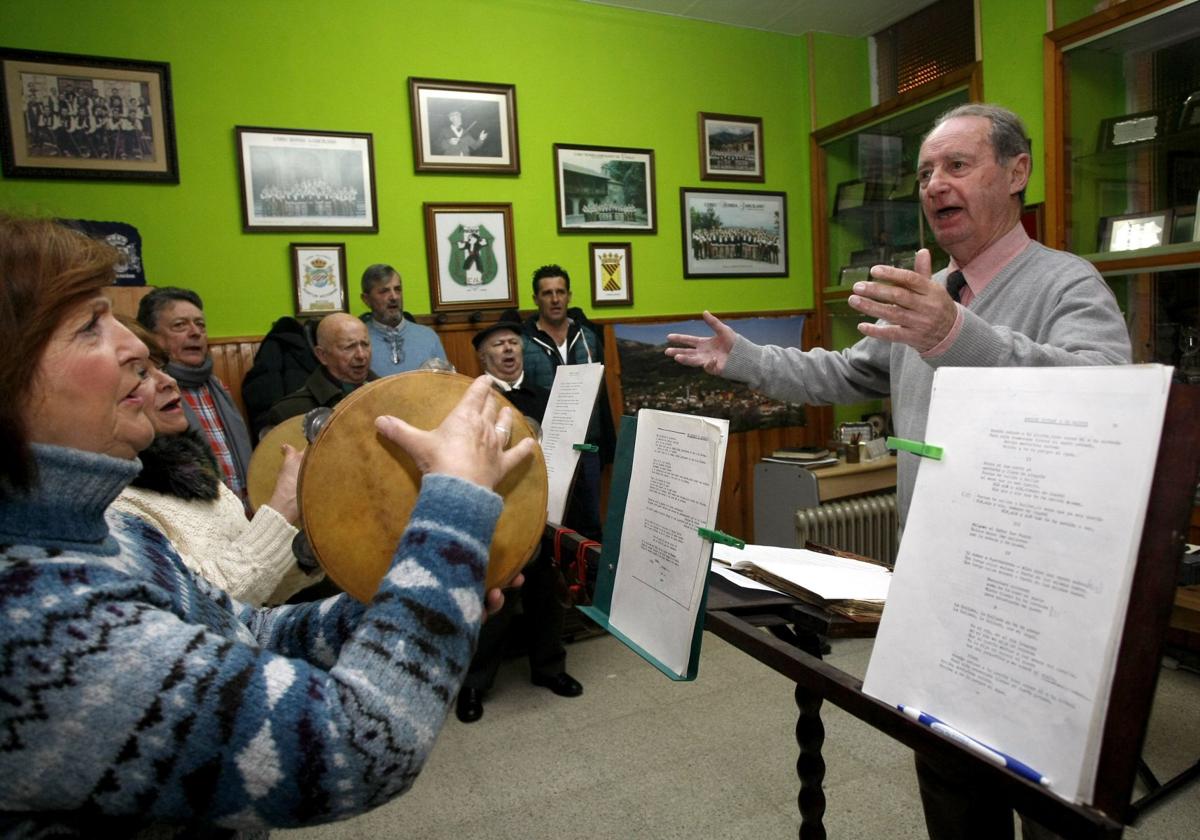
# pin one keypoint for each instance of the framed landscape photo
(306, 180)
(470, 252)
(604, 189)
(731, 148)
(464, 126)
(1134, 231)
(612, 273)
(727, 233)
(82, 116)
(319, 278)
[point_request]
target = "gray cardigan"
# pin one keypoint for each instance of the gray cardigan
(1044, 308)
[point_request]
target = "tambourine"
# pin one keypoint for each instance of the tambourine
(267, 458)
(357, 489)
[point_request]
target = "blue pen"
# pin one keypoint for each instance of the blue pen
(995, 756)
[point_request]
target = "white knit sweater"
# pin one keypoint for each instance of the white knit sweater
(251, 560)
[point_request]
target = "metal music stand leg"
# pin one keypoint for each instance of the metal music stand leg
(810, 766)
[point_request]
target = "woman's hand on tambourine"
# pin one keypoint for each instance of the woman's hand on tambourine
(470, 443)
(284, 498)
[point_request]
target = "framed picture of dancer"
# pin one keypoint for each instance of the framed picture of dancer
(470, 252)
(80, 116)
(306, 180)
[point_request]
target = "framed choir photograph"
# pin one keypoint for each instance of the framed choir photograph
(731, 148)
(727, 233)
(464, 126)
(306, 180)
(612, 273)
(471, 257)
(83, 116)
(319, 278)
(604, 189)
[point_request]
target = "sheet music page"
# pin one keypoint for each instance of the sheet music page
(1012, 581)
(829, 577)
(674, 487)
(565, 424)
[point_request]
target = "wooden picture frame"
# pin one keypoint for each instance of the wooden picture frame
(319, 278)
(731, 148)
(471, 257)
(729, 233)
(1135, 231)
(83, 116)
(295, 180)
(464, 126)
(604, 189)
(611, 266)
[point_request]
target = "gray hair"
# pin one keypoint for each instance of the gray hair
(159, 299)
(1008, 137)
(376, 274)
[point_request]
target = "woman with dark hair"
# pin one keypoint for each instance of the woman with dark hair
(138, 698)
(179, 491)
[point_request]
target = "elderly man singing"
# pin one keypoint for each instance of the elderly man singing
(176, 317)
(1004, 300)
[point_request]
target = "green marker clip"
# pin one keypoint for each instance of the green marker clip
(916, 447)
(585, 447)
(721, 537)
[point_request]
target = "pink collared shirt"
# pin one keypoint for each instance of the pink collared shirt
(978, 273)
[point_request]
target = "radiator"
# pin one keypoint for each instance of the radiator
(865, 525)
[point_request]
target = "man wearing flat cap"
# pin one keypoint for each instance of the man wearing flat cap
(500, 354)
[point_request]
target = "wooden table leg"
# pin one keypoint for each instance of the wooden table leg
(810, 766)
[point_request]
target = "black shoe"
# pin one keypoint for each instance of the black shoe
(469, 707)
(562, 684)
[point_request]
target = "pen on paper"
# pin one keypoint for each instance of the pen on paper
(995, 756)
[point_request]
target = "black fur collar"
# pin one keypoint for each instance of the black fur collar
(180, 465)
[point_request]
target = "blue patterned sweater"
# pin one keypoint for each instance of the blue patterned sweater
(136, 696)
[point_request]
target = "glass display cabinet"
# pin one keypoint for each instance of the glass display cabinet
(865, 206)
(1123, 165)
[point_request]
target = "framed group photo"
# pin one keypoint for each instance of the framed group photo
(731, 148)
(727, 233)
(1134, 231)
(79, 116)
(470, 252)
(319, 278)
(306, 180)
(612, 273)
(604, 188)
(464, 126)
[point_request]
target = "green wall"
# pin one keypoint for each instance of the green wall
(583, 74)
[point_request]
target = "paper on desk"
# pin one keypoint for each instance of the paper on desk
(565, 424)
(828, 577)
(738, 579)
(1012, 582)
(674, 487)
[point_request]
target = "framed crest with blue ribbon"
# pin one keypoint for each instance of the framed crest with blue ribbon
(319, 278)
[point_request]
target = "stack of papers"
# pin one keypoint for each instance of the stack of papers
(853, 588)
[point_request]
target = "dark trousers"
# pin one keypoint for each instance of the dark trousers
(542, 623)
(954, 809)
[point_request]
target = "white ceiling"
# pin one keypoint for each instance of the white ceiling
(855, 18)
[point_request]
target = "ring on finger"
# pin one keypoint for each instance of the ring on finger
(503, 431)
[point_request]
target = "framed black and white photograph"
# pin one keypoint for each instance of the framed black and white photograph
(1135, 231)
(603, 188)
(319, 278)
(612, 273)
(470, 252)
(731, 148)
(464, 126)
(306, 180)
(727, 233)
(81, 116)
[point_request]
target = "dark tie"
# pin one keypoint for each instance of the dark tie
(954, 284)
